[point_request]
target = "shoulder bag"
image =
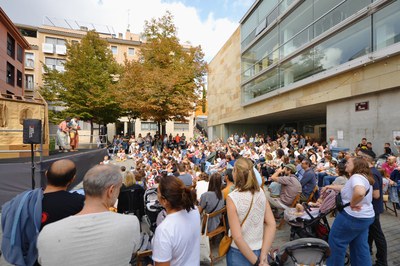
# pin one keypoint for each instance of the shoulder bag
(226, 241)
(339, 203)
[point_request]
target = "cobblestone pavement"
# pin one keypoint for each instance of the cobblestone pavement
(390, 226)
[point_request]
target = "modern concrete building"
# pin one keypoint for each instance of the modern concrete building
(326, 68)
(48, 44)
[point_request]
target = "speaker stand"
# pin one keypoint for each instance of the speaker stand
(33, 167)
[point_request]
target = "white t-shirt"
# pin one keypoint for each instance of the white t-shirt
(177, 239)
(367, 210)
(104, 238)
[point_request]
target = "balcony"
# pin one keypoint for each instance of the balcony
(48, 48)
(61, 49)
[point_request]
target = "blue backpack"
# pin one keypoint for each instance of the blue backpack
(21, 221)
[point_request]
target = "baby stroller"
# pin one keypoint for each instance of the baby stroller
(305, 251)
(314, 222)
(152, 208)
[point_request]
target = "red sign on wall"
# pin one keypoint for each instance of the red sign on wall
(362, 106)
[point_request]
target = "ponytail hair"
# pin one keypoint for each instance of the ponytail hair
(245, 178)
(176, 193)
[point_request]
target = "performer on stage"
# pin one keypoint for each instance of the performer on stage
(62, 135)
(73, 133)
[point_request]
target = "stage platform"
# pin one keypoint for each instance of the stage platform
(16, 173)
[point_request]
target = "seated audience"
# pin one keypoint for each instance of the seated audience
(88, 237)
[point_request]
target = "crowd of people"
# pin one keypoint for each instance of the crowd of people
(249, 176)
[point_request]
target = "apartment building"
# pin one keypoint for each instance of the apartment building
(48, 46)
(12, 54)
(326, 68)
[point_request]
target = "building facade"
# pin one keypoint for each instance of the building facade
(49, 47)
(12, 54)
(15, 106)
(326, 68)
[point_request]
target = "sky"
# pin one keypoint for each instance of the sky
(208, 23)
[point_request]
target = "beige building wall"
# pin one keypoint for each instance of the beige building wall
(224, 97)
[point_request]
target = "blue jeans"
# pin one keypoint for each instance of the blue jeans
(348, 230)
(235, 258)
(328, 180)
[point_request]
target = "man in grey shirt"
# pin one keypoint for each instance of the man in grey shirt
(94, 236)
(185, 177)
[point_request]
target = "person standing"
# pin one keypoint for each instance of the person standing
(62, 135)
(351, 225)
(177, 239)
(250, 218)
(375, 230)
(73, 133)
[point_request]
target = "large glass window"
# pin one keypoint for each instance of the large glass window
(263, 84)
(386, 26)
(344, 46)
(293, 32)
(298, 68)
(309, 20)
(262, 55)
(265, 13)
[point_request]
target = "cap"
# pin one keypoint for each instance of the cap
(291, 167)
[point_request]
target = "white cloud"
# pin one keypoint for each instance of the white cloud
(211, 34)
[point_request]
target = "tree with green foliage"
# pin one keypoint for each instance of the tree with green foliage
(167, 81)
(85, 88)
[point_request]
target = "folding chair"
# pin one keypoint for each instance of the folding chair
(293, 205)
(221, 229)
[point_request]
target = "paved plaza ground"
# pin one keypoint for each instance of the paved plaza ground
(390, 226)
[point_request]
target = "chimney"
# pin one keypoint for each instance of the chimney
(120, 36)
(84, 28)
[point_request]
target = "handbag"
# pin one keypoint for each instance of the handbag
(226, 241)
(205, 246)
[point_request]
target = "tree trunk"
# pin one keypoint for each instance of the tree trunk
(91, 131)
(163, 127)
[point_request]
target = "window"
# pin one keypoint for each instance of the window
(55, 41)
(114, 49)
(131, 51)
(29, 82)
(54, 63)
(20, 53)
(19, 78)
(10, 74)
(28, 33)
(149, 126)
(179, 126)
(29, 60)
(386, 26)
(10, 46)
